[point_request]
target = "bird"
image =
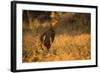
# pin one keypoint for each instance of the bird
(47, 38)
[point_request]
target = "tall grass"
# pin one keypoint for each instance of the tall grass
(72, 41)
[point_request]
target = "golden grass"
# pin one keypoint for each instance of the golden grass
(64, 47)
(72, 40)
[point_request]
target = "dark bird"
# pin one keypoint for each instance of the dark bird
(47, 37)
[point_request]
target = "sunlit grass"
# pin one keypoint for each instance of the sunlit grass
(72, 41)
(64, 47)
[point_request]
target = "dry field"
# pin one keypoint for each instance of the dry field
(72, 42)
(64, 47)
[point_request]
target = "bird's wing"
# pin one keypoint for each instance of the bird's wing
(44, 37)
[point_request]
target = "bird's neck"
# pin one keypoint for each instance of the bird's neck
(52, 26)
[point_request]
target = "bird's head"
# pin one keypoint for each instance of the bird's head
(54, 20)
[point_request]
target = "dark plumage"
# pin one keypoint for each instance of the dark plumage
(47, 38)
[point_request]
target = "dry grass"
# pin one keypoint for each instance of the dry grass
(72, 40)
(64, 47)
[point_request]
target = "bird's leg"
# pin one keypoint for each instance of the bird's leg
(43, 48)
